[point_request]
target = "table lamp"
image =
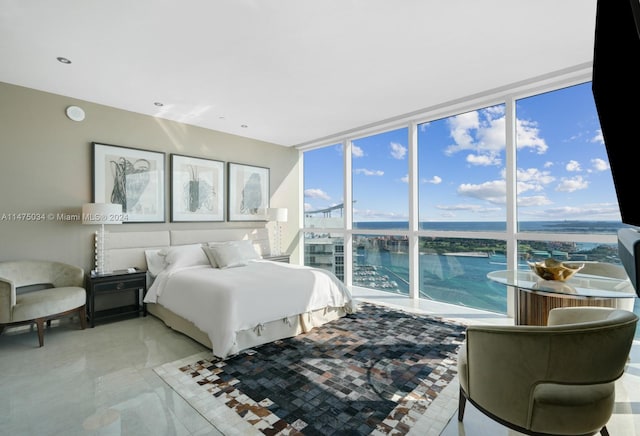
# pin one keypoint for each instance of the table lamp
(101, 213)
(279, 215)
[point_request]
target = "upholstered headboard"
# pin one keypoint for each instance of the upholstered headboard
(126, 249)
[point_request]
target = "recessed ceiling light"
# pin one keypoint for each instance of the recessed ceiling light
(157, 103)
(63, 60)
(244, 126)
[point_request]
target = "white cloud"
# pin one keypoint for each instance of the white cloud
(528, 136)
(535, 175)
(316, 193)
(355, 150)
(493, 191)
(596, 211)
(573, 166)
(598, 137)
(370, 214)
(405, 178)
(366, 172)
(460, 207)
(533, 200)
(436, 180)
(572, 184)
(398, 151)
(599, 164)
(483, 160)
(460, 129)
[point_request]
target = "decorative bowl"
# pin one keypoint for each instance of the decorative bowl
(551, 269)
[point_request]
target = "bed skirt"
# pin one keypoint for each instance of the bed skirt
(265, 333)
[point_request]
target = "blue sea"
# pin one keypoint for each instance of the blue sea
(460, 280)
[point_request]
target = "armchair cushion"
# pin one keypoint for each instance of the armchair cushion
(38, 304)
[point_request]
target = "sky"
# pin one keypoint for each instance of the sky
(562, 166)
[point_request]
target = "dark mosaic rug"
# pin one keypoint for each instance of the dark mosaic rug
(373, 372)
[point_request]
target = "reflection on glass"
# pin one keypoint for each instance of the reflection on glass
(381, 262)
(536, 251)
(454, 270)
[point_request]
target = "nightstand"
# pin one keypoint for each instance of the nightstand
(116, 282)
(277, 257)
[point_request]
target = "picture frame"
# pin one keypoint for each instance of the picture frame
(197, 189)
(131, 177)
(249, 192)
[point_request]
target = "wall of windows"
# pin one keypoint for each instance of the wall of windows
(438, 202)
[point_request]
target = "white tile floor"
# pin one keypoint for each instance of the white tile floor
(100, 381)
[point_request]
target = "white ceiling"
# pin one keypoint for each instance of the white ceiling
(292, 71)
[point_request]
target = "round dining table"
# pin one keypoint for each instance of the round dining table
(535, 297)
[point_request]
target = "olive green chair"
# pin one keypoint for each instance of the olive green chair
(557, 379)
(37, 291)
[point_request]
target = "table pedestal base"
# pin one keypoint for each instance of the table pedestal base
(534, 307)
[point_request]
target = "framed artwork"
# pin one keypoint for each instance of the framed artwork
(248, 192)
(197, 189)
(131, 177)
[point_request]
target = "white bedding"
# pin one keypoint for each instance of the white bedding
(222, 302)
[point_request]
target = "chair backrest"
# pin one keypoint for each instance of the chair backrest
(591, 352)
(506, 363)
(39, 272)
(605, 270)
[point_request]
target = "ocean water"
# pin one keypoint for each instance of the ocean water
(460, 280)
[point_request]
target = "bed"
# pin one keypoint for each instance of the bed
(216, 287)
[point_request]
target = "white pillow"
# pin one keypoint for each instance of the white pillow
(182, 256)
(247, 249)
(210, 255)
(156, 261)
(233, 253)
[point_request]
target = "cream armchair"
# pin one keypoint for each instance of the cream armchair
(37, 291)
(616, 272)
(557, 379)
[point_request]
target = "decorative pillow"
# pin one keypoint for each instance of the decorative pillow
(185, 255)
(210, 255)
(155, 261)
(233, 253)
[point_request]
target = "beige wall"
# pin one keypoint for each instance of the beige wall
(45, 167)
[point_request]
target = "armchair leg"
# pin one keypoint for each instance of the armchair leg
(40, 324)
(604, 431)
(82, 312)
(462, 402)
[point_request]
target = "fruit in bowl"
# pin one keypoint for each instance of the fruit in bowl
(551, 269)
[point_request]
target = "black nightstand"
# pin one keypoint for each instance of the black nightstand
(120, 281)
(277, 258)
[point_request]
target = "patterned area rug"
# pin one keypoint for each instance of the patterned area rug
(379, 371)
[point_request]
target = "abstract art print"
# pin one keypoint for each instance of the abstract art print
(131, 177)
(248, 192)
(197, 189)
